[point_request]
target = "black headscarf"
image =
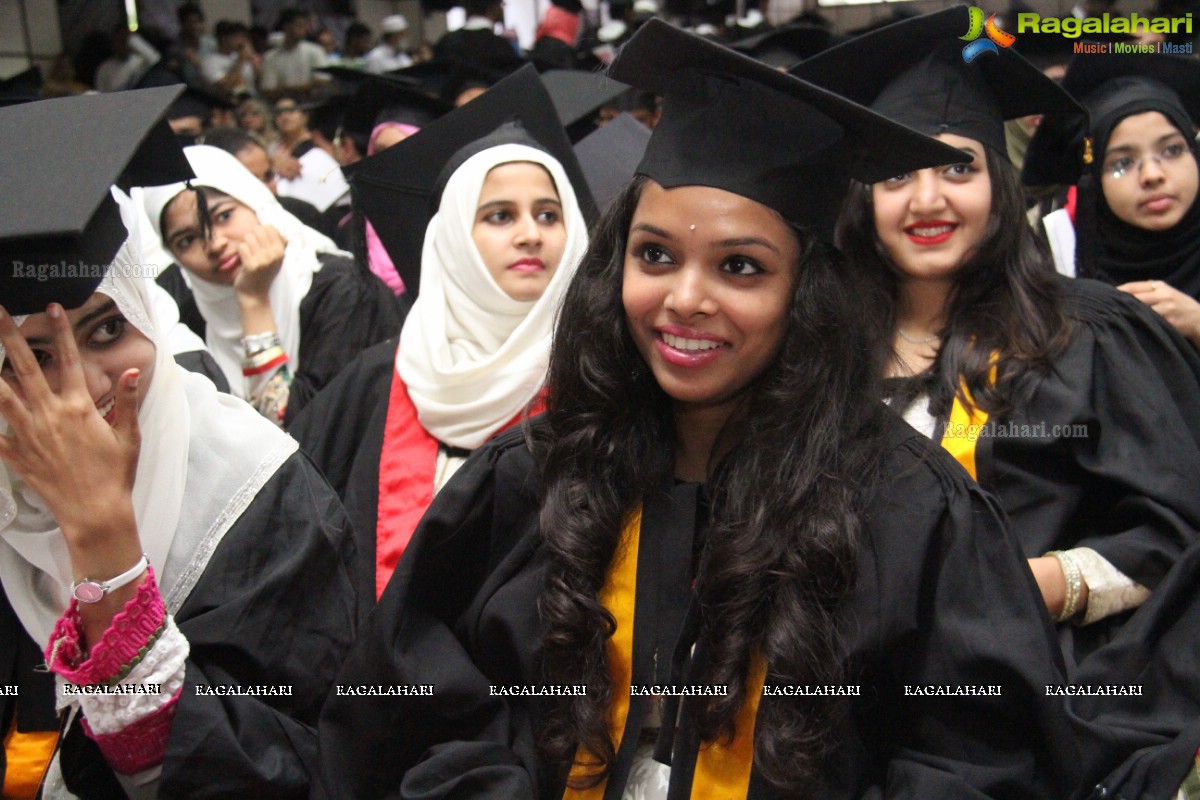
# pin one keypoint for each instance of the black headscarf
(1109, 248)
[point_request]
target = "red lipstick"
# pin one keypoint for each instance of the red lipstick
(930, 232)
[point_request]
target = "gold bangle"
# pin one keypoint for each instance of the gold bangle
(1074, 578)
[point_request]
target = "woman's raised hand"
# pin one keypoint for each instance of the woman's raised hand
(62, 448)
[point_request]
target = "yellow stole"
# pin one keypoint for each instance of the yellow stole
(722, 769)
(963, 427)
(26, 755)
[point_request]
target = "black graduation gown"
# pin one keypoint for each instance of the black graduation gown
(342, 431)
(942, 598)
(275, 606)
(1157, 732)
(201, 362)
(307, 213)
(345, 311)
(1130, 488)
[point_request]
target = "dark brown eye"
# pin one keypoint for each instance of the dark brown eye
(108, 331)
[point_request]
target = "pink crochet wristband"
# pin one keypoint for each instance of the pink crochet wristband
(140, 745)
(123, 644)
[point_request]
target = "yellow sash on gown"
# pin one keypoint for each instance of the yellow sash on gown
(722, 769)
(964, 427)
(26, 757)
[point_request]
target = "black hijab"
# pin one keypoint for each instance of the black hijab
(1113, 250)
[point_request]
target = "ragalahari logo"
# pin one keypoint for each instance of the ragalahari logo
(995, 37)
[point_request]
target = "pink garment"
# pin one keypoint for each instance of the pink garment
(377, 256)
(130, 630)
(143, 743)
(559, 24)
(140, 746)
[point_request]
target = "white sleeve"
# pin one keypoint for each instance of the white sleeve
(1110, 591)
(268, 78)
(162, 669)
(1060, 233)
(214, 66)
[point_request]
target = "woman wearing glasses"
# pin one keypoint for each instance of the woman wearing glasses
(1134, 221)
(1067, 400)
(304, 170)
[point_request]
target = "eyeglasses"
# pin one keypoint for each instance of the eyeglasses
(285, 110)
(1123, 165)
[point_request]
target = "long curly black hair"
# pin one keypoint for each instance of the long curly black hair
(1006, 301)
(781, 546)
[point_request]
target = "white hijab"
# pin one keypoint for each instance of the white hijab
(197, 444)
(219, 170)
(471, 356)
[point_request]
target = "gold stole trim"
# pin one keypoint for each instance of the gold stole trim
(618, 596)
(722, 770)
(963, 427)
(27, 756)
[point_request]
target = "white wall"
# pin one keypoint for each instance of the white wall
(29, 34)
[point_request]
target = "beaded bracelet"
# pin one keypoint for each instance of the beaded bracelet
(1074, 578)
(263, 362)
(257, 343)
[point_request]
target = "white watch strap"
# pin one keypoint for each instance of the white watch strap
(90, 591)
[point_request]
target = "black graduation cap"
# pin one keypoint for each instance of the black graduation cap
(431, 76)
(327, 115)
(914, 72)
(199, 102)
(578, 95)
(194, 100)
(1044, 49)
(788, 45)
(550, 53)
(399, 189)
(733, 123)
(22, 87)
(446, 79)
(345, 79)
(390, 98)
(61, 156)
(610, 156)
(1111, 87)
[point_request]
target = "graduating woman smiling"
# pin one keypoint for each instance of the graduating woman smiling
(716, 566)
(1068, 400)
